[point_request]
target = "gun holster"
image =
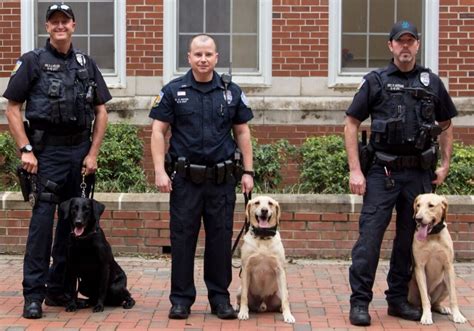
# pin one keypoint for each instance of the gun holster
(429, 158)
(25, 183)
(366, 157)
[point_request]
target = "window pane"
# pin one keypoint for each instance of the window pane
(354, 16)
(245, 16)
(365, 30)
(381, 16)
(232, 23)
(80, 43)
(354, 52)
(379, 53)
(80, 14)
(223, 44)
(102, 52)
(245, 53)
(102, 18)
(183, 52)
(218, 16)
(191, 16)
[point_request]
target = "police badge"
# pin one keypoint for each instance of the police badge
(425, 78)
(228, 96)
(81, 59)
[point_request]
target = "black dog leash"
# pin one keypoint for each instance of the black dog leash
(83, 186)
(245, 227)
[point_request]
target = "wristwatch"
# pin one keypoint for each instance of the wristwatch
(26, 149)
(249, 172)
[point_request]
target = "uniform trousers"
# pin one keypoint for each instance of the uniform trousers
(62, 165)
(214, 203)
(376, 213)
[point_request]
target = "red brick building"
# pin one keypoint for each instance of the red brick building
(299, 61)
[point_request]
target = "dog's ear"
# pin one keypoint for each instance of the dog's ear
(97, 208)
(278, 211)
(415, 209)
(247, 210)
(444, 203)
(64, 209)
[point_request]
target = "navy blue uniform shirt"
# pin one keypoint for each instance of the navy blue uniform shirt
(371, 91)
(201, 118)
(27, 71)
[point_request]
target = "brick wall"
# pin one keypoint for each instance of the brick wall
(9, 35)
(144, 37)
(300, 38)
(456, 51)
(316, 226)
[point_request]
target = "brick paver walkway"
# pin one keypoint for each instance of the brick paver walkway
(319, 295)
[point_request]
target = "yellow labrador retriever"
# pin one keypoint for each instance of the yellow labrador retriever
(433, 253)
(264, 286)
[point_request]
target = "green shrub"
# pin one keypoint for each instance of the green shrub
(323, 165)
(460, 179)
(8, 162)
(119, 161)
(268, 160)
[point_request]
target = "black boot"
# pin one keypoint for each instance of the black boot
(404, 310)
(32, 309)
(359, 315)
(224, 311)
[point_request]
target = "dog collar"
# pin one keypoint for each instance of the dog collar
(264, 233)
(438, 227)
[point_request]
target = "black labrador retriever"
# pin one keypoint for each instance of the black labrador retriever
(91, 268)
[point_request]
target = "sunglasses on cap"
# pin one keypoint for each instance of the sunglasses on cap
(65, 9)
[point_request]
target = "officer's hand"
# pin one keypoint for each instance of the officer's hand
(89, 165)
(247, 183)
(29, 162)
(441, 174)
(357, 182)
(163, 182)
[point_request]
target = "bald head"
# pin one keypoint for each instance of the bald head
(201, 39)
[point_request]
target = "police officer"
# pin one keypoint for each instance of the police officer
(202, 109)
(409, 109)
(65, 93)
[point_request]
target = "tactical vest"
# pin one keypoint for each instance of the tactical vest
(403, 121)
(64, 92)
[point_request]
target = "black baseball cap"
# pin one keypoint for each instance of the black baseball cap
(402, 27)
(63, 8)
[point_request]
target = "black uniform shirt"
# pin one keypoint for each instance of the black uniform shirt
(27, 71)
(371, 91)
(201, 118)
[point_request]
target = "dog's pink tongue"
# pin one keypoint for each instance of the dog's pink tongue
(78, 231)
(422, 232)
(263, 223)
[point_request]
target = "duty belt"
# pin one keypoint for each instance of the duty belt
(68, 140)
(398, 162)
(198, 174)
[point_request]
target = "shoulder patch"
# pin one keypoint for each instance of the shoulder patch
(17, 66)
(158, 99)
(244, 99)
(361, 83)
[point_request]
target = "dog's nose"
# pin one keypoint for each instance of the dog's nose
(77, 223)
(264, 211)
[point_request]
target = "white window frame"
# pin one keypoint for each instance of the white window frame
(429, 41)
(113, 80)
(261, 78)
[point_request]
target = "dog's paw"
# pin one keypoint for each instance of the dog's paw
(426, 319)
(71, 306)
(441, 310)
(98, 308)
(288, 317)
(458, 317)
(243, 313)
(129, 303)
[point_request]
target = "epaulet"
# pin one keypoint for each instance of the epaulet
(38, 51)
